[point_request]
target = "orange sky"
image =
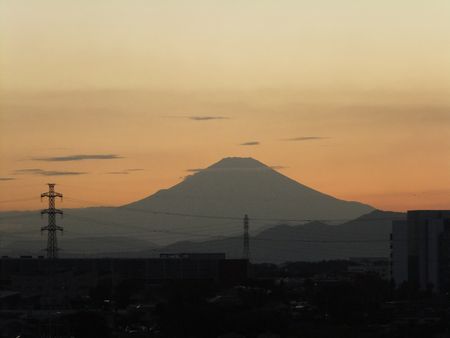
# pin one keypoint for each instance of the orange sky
(351, 98)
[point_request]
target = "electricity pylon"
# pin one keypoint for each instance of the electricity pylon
(51, 228)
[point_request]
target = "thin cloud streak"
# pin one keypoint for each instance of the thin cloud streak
(194, 170)
(199, 117)
(207, 118)
(79, 158)
(197, 170)
(124, 171)
(26, 171)
(251, 143)
(118, 173)
(42, 172)
(62, 173)
(7, 178)
(306, 138)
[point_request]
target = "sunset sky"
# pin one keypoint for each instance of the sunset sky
(114, 100)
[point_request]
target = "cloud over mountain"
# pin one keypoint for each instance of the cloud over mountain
(194, 170)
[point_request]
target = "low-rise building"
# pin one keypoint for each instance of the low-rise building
(370, 265)
(56, 281)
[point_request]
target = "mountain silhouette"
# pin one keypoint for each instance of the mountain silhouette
(366, 236)
(237, 186)
(208, 204)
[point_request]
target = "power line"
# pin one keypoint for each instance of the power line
(18, 200)
(145, 229)
(218, 217)
(236, 237)
(231, 217)
(198, 234)
(345, 241)
(18, 216)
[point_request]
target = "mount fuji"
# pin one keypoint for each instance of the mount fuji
(209, 204)
(236, 186)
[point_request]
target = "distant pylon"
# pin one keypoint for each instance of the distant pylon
(51, 228)
(246, 253)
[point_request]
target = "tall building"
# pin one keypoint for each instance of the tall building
(421, 250)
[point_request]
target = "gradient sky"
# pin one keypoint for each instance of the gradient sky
(349, 97)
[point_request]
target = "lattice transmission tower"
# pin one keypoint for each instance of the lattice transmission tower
(246, 253)
(51, 228)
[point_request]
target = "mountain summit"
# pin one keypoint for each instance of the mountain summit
(238, 163)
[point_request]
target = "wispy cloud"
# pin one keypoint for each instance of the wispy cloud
(208, 118)
(197, 170)
(124, 171)
(62, 173)
(7, 178)
(118, 173)
(306, 138)
(194, 170)
(47, 172)
(199, 117)
(79, 158)
(251, 143)
(26, 171)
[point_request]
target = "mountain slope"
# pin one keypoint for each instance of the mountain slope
(217, 196)
(367, 236)
(238, 186)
